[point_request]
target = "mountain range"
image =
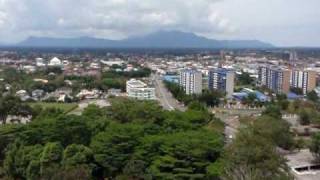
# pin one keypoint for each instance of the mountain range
(161, 39)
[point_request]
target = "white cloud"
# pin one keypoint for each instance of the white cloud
(268, 20)
(107, 18)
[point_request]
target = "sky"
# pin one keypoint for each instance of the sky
(280, 22)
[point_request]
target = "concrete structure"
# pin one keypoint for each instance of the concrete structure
(55, 62)
(293, 57)
(139, 90)
(191, 81)
(40, 62)
(223, 80)
(275, 78)
(303, 165)
(317, 90)
(245, 93)
(306, 80)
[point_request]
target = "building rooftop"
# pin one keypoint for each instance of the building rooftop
(136, 83)
(303, 159)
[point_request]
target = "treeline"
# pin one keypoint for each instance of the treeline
(117, 79)
(19, 80)
(209, 98)
(254, 152)
(138, 140)
(130, 140)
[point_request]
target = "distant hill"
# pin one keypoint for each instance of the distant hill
(161, 39)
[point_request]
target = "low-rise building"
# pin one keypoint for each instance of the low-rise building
(114, 92)
(37, 94)
(87, 94)
(139, 90)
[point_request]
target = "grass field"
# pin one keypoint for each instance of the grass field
(65, 107)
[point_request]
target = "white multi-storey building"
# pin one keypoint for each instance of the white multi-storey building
(222, 79)
(305, 80)
(139, 90)
(275, 78)
(191, 81)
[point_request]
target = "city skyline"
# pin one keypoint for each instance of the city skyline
(280, 22)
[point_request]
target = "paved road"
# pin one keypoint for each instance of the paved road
(231, 129)
(164, 96)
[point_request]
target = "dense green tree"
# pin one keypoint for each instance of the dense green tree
(244, 79)
(18, 159)
(197, 106)
(252, 156)
(67, 129)
(50, 159)
(135, 169)
(251, 100)
(114, 147)
(313, 96)
(126, 110)
(10, 105)
(210, 98)
(273, 111)
(305, 118)
(184, 155)
(130, 140)
(277, 130)
(75, 155)
(315, 145)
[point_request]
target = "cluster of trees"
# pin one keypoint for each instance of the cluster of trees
(129, 140)
(308, 111)
(11, 105)
(244, 79)
(315, 146)
(252, 100)
(210, 98)
(18, 79)
(138, 140)
(117, 79)
(112, 79)
(254, 155)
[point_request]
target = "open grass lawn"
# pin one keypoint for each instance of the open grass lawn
(65, 107)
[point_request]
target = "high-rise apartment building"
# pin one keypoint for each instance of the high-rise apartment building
(222, 79)
(275, 78)
(305, 80)
(191, 81)
(293, 56)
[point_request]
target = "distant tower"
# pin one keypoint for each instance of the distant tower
(293, 57)
(222, 58)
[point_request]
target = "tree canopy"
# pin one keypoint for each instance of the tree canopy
(129, 140)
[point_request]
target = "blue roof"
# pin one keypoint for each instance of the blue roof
(245, 93)
(221, 70)
(171, 78)
(240, 95)
(293, 96)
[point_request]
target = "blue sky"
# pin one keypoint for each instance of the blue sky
(281, 22)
